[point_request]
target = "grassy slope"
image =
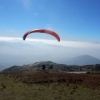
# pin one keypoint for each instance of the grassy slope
(15, 89)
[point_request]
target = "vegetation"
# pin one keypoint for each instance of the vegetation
(51, 66)
(53, 82)
(32, 85)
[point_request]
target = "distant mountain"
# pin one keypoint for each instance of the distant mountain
(8, 60)
(82, 60)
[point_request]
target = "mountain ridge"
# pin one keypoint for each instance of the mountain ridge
(83, 60)
(78, 60)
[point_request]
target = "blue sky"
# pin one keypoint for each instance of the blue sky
(77, 22)
(73, 20)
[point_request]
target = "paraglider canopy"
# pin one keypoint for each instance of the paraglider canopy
(42, 31)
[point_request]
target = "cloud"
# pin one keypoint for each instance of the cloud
(26, 3)
(45, 49)
(9, 31)
(9, 38)
(75, 44)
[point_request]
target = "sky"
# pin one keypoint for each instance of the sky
(77, 22)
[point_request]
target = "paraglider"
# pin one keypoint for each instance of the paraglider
(42, 31)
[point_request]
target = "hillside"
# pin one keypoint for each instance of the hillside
(49, 86)
(37, 66)
(52, 66)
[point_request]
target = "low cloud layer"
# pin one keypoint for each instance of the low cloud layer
(48, 49)
(75, 44)
(32, 50)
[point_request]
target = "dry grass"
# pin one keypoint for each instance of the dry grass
(49, 86)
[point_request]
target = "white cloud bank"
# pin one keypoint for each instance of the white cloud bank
(76, 44)
(33, 50)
